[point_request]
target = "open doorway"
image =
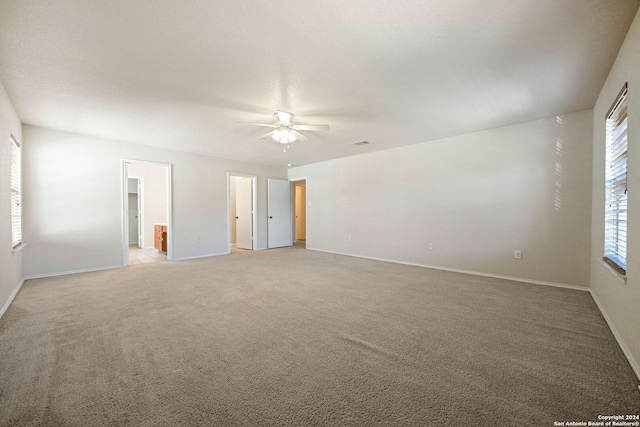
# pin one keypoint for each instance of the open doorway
(299, 214)
(135, 218)
(241, 204)
(146, 204)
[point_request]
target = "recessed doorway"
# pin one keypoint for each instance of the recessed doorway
(299, 214)
(135, 218)
(146, 207)
(242, 219)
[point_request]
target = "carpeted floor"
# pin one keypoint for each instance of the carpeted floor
(296, 337)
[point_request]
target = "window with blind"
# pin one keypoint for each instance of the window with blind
(16, 195)
(615, 218)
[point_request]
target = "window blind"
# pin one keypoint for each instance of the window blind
(16, 194)
(615, 219)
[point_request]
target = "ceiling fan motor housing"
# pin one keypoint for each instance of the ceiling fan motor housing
(284, 118)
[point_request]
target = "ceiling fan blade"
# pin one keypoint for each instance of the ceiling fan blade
(267, 135)
(299, 136)
(310, 127)
(259, 124)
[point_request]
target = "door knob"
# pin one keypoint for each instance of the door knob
(270, 217)
(236, 217)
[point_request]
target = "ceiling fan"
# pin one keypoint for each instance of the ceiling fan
(285, 132)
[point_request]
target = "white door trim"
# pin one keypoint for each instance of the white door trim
(254, 205)
(125, 202)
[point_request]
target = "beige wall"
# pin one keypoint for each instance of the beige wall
(73, 198)
(476, 198)
(11, 271)
(619, 301)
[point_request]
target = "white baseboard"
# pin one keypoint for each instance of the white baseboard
(11, 297)
(455, 270)
(632, 361)
(64, 273)
(200, 256)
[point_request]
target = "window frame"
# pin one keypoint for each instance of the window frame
(616, 172)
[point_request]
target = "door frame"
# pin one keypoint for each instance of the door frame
(254, 205)
(293, 209)
(125, 207)
(140, 180)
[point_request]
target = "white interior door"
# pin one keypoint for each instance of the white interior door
(279, 212)
(139, 216)
(244, 214)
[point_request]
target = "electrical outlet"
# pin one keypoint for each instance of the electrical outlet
(517, 254)
(430, 245)
(197, 240)
(349, 239)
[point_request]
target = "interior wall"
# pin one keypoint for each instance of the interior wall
(619, 301)
(11, 273)
(73, 199)
(132, 190)
(474, 198)
(154, 194)
(132, 186)
(133, 220)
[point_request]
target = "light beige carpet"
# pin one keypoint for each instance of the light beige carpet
(296, 337)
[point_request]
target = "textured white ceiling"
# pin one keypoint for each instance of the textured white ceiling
(181, 74)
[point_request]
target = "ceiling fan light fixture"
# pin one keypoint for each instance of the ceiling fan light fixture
(283, 135)
(285, 132)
